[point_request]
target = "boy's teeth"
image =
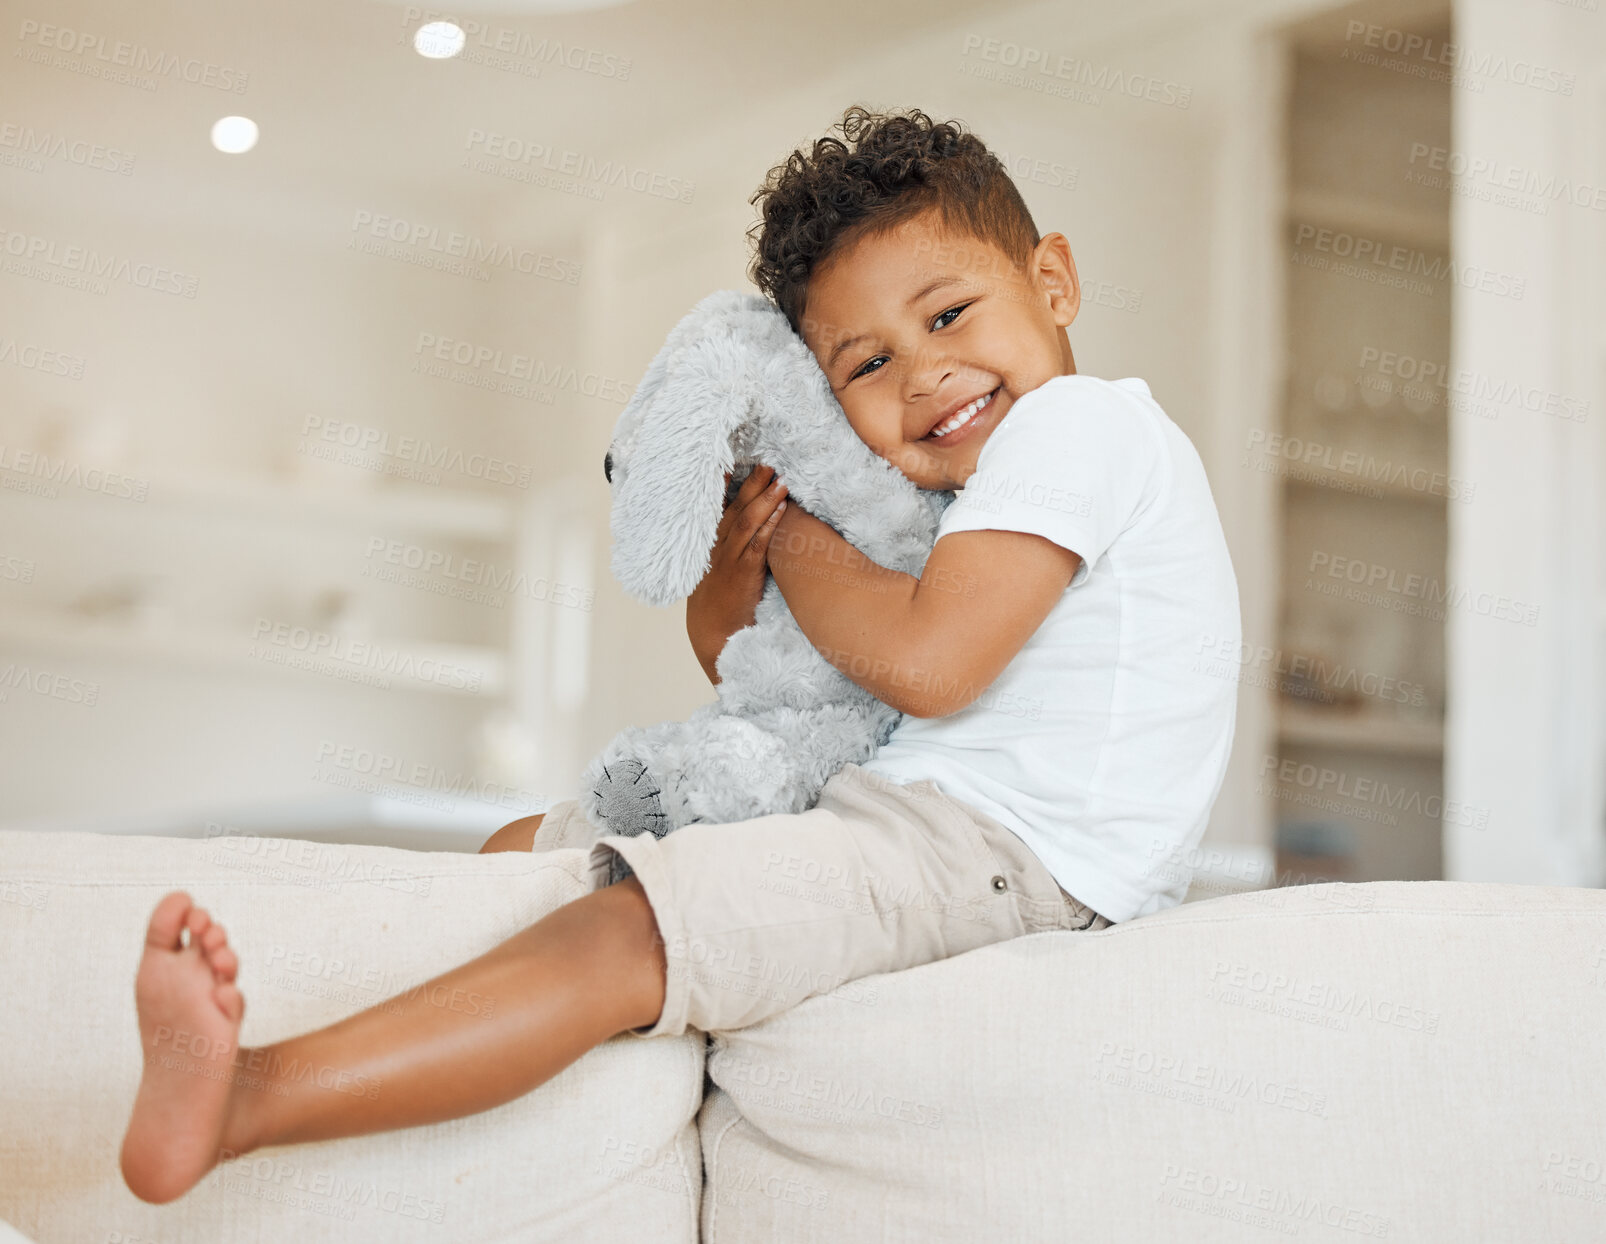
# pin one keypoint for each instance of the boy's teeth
(963, 416)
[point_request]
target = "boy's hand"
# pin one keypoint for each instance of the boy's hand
(727, 598)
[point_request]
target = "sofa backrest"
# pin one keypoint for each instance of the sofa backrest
(1393, 1060)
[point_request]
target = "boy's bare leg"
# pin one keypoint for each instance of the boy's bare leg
(583, 973)
(516, 835)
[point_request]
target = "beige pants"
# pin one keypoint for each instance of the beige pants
(758, 915)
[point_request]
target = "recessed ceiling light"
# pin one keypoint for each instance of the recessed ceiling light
(234, 135)
(438, 40)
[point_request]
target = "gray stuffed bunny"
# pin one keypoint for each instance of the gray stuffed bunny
(732, 387)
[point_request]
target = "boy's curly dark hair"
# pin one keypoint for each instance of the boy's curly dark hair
(894, 166)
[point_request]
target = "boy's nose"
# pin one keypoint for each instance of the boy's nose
(607, 466)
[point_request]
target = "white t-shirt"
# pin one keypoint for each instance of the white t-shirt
(1104, 741)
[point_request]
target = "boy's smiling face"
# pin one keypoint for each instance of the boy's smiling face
(914, 326)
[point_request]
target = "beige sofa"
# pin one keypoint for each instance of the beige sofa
(1396, 1060)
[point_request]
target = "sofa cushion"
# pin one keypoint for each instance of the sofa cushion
(1394, 1060)
(607, 1150)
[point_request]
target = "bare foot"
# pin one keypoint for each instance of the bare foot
(189, 1027)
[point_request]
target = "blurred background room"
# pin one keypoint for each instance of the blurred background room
(315, 320)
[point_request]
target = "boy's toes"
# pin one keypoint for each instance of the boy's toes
(213, 938)
(230, 1001)
(224, 964)
(167, 921)
(197, 923)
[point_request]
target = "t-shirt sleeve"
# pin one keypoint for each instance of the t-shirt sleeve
(1071, 461)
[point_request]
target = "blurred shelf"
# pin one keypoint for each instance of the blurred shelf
(413, 507)
(1371, 220)
(481, 671)
(1360, 732)
(1336, 483)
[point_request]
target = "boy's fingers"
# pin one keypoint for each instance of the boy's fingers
(761, 541)
(746, 502)
(744, 494)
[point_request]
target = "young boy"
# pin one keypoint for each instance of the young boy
(1058, 747)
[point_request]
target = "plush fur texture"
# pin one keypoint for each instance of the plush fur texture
(734, 386)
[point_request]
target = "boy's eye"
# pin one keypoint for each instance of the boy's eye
(939, 322)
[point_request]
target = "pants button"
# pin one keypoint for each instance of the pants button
(1000, 884)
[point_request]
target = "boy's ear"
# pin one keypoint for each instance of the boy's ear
(1056, 272)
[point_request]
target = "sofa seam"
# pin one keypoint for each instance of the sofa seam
(718, 1141)
(696, 1097)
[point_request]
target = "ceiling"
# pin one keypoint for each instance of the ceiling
(346, 106)
(350, 114)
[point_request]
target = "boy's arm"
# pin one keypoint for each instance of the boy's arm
(926, 646)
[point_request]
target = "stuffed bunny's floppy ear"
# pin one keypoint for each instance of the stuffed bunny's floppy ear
(673, 450)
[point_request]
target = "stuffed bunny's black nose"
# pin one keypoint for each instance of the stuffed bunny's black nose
(607, 466)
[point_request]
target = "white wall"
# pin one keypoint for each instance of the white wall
(1525, 741)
